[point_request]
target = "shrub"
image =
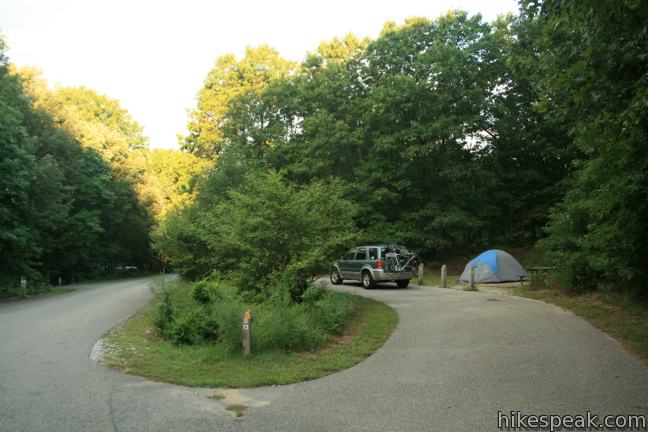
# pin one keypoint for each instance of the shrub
(285, 327)
(228, 313)
(195, 326)
(210, 291)
(264, 231)
(332, 311)
(214, 313)
(165, 316)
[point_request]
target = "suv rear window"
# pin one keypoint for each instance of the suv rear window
(373, 253)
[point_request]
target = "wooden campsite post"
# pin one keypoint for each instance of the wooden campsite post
(444, 276)
(471, 278)
(23, 285)
(247, 317)
(420, 274)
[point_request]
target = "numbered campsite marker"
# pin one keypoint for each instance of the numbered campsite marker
(247, 318)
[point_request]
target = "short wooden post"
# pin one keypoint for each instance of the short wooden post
(247, 318)
(59, 281)
(444, 276)
(420, 274)
(471, 278)
(23, 285)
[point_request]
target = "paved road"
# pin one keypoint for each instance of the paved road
(456, 359)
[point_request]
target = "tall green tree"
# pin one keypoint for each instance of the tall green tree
(422, 123)
(266, 235)
(594, 77)
(528, 151)
(323, 111)
(171, 179)
(428, 85)
(67, 209)
(229, 79)
(17, 249)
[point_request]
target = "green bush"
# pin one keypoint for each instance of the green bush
(165, 316)
(332, 311)
(285, 327)
(265, 233)
(229, 314)
(196, 325)
(210, 291)
(10, 285)
(214, 314)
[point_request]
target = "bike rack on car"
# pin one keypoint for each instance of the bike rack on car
(393, 260)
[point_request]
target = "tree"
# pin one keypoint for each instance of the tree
(322, 113)
(65, 210)
(594, 78)
(428, 85)
(529, 152)
(16, 160)
(231, 78)
(172, 178)
(268, 234)
(413, 120)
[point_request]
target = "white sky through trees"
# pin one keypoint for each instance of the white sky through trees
(154, 55)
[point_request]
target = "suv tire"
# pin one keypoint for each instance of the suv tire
(402, 283)
(335, 277)
(368, 280)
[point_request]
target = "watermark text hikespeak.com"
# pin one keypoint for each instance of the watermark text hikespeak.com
(518, 421)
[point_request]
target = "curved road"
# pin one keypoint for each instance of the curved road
(456, 359)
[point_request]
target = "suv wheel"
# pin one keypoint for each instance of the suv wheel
(402, 283)
(336, 279)
(367, 280)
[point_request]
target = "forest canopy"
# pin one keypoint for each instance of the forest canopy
(80, 190)
(449, 135)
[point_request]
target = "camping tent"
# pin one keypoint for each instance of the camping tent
(495, 266)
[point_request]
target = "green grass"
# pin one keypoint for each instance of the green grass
(434, 279)
(118, 276)
(134, 347)
(238, 409)
(618, 316)
(15, 295)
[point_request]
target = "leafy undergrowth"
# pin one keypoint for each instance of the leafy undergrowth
(8, 295)
(618, 316)
(135, 347)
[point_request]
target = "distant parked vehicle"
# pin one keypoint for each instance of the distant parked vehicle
(126, 269)
(371, 264)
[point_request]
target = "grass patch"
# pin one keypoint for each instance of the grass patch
(135, 347)
(238, 409)
(118, 276)
(13, 295)
(434, 279)
(618, 316)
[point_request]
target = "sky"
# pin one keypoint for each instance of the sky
(153, 56)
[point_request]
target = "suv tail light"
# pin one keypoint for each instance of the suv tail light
(379, 264)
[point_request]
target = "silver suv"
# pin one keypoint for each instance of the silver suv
(375, 263)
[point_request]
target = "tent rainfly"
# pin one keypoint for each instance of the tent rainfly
(495, 266)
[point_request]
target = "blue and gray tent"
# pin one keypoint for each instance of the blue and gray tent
(495, 266)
